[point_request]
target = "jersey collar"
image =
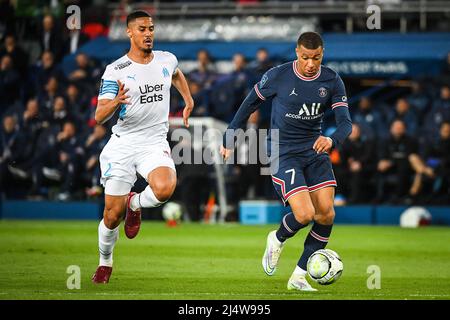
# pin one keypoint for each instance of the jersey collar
(314, 77)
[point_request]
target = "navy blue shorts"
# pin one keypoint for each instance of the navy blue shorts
(298, 173)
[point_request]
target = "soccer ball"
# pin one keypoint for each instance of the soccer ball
(172, 211)
(325, 266)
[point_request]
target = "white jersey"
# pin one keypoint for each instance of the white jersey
(149, 89)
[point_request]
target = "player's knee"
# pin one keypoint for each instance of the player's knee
(305, 215)
(326, 214)
(163, 190)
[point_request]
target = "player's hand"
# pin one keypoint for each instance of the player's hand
(122, 96)
(225, 153)
(323, 144)
(187, 111)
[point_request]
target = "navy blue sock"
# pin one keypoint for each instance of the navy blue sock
(317, 239)
(288, 227)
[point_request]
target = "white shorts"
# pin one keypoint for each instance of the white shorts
(122, 158)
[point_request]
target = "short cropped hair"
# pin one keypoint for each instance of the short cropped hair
(310, 40)
(137, 14)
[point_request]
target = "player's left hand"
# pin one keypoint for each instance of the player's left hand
(187, 111)
(323, 144)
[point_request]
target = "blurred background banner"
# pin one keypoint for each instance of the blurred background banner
(366, 54)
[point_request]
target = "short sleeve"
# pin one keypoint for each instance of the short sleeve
(339, 97)
(108, 85)
(174, 63)
(266, 87)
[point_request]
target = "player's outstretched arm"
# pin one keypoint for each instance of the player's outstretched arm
(343, 125)
(107, 107)
(179, 82)
(248, 106)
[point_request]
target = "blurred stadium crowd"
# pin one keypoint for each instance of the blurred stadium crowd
(398, 152)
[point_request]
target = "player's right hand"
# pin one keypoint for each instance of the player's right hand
(225, 152)
(121, 97)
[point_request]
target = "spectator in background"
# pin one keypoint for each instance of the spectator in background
(77, 107)
(9, 84)
(86, 74)
(261, 64)
(241, 77)
(90, 169)
(200, 97)
(43, 71)
(403, 112)
(75, 100)
(205, 74)
(31, 124)
(59, 114)
(47, 98)
(399, 162)
(229, 90)
(70, 153)
(370, 121)
(359, 162)
(50, 37)
(12, 144)
(440, 113)
(59, 162)
(419, 100)
(17, 54)
(437, 156)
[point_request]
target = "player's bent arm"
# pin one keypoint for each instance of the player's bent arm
(107, 107)
(180, 83)
(248, 106)
(105, 110)
(343, 125)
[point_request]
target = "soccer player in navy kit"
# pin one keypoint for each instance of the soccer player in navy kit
(301, 90)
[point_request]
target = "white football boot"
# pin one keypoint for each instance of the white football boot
(272, 253)
(298, 282)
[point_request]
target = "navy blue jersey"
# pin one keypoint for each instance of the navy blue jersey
(298, 106)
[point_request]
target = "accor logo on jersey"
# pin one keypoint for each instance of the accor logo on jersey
(307, 112)
(149, 93)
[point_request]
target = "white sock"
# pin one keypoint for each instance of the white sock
(106, 240)
(145, 199)
(299, 271)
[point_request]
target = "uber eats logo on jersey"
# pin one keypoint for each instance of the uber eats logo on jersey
(307, 112)
(149, 93)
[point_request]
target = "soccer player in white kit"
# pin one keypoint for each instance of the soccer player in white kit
(138, 86)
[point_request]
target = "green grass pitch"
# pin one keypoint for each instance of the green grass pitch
(196, 261)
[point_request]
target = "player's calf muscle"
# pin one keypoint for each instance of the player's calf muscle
(114, 210)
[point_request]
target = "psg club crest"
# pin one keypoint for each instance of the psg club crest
(263, 80)
(322, 92)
